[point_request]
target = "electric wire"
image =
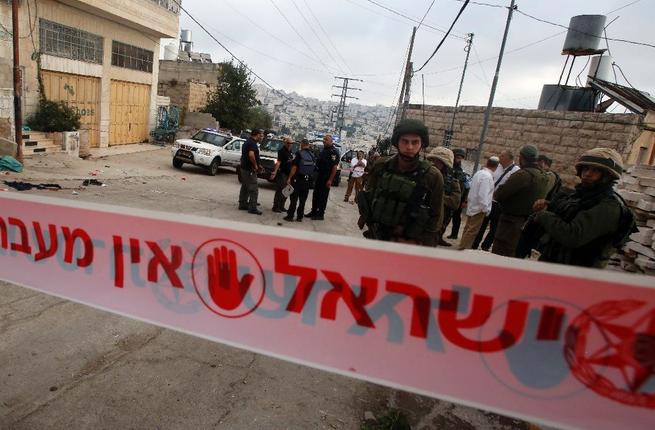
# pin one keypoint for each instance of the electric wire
(632, 42)
(623, 74)
(445, 35)
(327, 36)
(500, 6)
(268, 33)
(425, 14)
(395, 12)
(622, 7)
(396, 94)
(298, 34)
(295, 5)
(577, 78)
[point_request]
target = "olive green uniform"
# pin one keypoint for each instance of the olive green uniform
(403, 206)
(582, 235)
(516, 198)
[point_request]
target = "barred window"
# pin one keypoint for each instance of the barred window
(131, 57)
(68, 42)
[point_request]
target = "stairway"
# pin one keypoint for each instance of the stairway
(37, 142)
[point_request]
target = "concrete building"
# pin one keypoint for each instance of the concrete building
(98, 56)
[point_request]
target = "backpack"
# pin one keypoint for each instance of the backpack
(307, 164)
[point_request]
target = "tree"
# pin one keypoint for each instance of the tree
(259, 117)
(232, 102)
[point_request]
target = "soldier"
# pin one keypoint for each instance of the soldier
(554, 181)
(516, 197)
(326, 166)
(442, 158)
(403, 198)
(586, 227)
(464, 183)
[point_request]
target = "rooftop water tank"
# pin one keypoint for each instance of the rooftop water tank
(185, 36)
(583, 37)
(170, 52)
(601, 68)
(567, 98)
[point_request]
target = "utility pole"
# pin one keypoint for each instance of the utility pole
(341, 108)
(18, 86)
(487, 113)
(403, 100)
(448, 134)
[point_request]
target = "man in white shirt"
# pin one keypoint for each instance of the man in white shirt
(479, 202)
(357, 168)
(506, 168)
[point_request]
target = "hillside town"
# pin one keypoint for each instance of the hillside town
(268, 220)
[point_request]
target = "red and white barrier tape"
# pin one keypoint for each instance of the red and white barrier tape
(552, 344)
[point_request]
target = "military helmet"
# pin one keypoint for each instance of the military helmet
(410, 126)
(603, 158)
(459, 151)
(442, 154)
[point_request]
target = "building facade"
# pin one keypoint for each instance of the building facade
(187, 83)
(98, 56)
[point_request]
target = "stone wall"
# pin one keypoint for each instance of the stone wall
(183, 71)
(189, 96)
(562, 136)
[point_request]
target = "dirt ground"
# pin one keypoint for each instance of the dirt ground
(64, 365)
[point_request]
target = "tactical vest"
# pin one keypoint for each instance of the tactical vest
(307, 163)
(401, 200)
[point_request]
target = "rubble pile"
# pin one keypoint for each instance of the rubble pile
(637, 187)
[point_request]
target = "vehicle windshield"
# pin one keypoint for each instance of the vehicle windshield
(271, 145)
(212, 138)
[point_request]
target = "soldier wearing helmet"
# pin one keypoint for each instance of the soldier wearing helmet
(442, 158)
(403, 198)
(583, 228)
(464, 180)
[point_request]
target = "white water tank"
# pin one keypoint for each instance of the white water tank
(170, 52)
(600, 67)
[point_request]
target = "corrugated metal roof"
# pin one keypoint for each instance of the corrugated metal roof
(633, 99)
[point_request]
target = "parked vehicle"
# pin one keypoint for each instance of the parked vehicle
(208, 148)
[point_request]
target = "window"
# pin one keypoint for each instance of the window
(131, 57)
(68, 42)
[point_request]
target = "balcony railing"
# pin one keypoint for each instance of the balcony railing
(171, 5)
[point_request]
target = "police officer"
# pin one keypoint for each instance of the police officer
(585, 228)
(403, 198)
(300, 178)
(326, 166)
(442, 158)
(249, 167)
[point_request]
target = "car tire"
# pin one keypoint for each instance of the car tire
(212, 170)
(177, 163)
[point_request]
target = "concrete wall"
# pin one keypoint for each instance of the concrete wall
(187, 84)
(109, 29)
(187, 71)
(563, 136)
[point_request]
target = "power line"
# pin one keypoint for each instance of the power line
(263, 29)
(395, 12)
(316, 34)
(299, 35)
(632, 42)
(425, 14)
(500, 6)
(445, 35)
(327, 36)
(622, 74)
(622, 7)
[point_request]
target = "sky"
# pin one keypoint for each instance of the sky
(300, 45)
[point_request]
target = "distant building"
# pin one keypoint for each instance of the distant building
(98, 56)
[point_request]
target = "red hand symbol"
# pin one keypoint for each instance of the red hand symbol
(224, 286)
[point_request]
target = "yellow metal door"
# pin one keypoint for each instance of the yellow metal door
(129, 107)
(82, 93)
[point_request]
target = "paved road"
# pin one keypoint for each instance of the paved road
(64, 365)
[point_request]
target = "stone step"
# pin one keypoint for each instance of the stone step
(35, 135)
